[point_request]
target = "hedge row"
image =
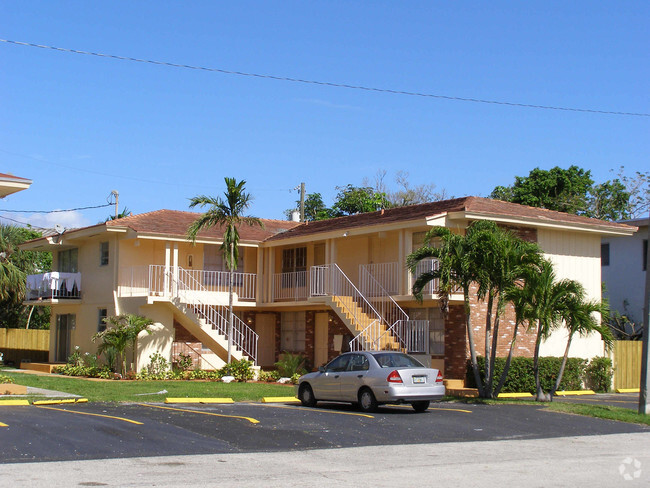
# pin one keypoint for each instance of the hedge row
(521, 376)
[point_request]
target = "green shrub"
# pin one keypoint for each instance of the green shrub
(521, 375)
(5, 379)
(184, 362)
(600, 373)
(268, 376)
(291, 364)
(241, 369)
(295, 377)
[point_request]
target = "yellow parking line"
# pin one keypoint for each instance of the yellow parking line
(598, 400)
(316, 410)
(251, 420)
(3, 425)
(92, 414)
(199, 400)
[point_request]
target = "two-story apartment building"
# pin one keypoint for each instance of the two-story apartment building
(314, 288)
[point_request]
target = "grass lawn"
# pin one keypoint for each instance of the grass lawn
(598, 411)
(142, 391)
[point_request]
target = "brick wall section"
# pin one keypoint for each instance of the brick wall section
(456, 350)
(310, 331)
(336, 327)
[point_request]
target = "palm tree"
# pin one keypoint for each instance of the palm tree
(579, 318)
(542, 302)
(456, 270)
(12, 278)
(226, 214)
(122, 331)
(501, 258)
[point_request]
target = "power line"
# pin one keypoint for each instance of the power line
(327, 83)
(56, 211)
(23, 223)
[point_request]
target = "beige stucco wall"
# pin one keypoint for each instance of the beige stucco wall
(162, 336)
(576, 256)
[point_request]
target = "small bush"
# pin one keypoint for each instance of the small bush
(241, 369)
(184, 362)
(6, 379)
(291, 364)
(268, 376)
(600, 373)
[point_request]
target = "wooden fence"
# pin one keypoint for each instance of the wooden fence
(18, 345)
(627, 364)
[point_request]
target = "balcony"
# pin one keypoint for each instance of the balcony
(54, 285)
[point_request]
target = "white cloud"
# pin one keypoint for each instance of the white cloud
(69, 219)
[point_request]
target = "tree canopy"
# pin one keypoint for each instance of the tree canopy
(573, 190)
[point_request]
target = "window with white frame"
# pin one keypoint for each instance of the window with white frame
(292, 331)
(103, 253)
(436, 327)
(102, 313)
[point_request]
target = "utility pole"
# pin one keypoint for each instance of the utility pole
(116, 194)
(645, 359)
(302, 202)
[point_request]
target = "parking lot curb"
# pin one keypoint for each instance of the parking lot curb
(13, 403)
(199, 400)
(576, 393)
(59, 402)
(627, 390)
(515, 395)
(280, 400)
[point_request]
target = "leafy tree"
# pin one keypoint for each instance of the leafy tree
(122, 332)
(315, 209)
(15, 265)
(564, 190)
(573, 191)
(226, 214)
(352, 200)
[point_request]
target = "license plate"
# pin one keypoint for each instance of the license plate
(419, 379)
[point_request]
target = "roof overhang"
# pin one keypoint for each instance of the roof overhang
(12, 184)
(544, 223)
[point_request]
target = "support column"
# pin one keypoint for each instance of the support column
(175, 268)
(167, 268)
(259, 283)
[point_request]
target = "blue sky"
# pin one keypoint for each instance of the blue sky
(80, 126)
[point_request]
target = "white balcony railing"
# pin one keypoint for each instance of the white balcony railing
(154, 281)
(385, 274)
(290, 286)
(53, 285)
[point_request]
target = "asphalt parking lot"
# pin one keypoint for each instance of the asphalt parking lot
(622, 400)
(104, 431)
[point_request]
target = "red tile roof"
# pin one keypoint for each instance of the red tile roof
(484, 206)
(175, 223)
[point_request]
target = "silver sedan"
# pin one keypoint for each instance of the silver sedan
(371, 378)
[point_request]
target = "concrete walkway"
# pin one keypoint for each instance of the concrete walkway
(594, 461)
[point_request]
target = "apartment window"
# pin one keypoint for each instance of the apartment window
(604, 254)
(102, 313)
(295, 261)
(436, 327)
(103, 253)
(213, 259)
(67, 260)
(645, 254)
(292, 332)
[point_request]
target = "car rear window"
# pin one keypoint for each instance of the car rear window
(397, 360)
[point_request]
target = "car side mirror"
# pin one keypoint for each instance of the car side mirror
(321, 369)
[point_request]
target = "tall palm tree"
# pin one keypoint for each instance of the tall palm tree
(502, 261)
(456, 270)
(226, 214)
(12, 278)
(542, 302)
(580, 318)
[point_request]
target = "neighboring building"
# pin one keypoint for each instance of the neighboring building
(11, 184)
(307, 288)
(624, 267)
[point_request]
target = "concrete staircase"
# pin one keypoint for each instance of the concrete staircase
(357, 321)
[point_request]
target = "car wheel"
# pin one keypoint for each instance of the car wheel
(420, 406)
(306, 395)
(367, 400)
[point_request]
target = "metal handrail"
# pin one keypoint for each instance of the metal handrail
(412, 335)
(388, 308)
(243, 337)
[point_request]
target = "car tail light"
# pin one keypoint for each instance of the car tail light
(439, 377)
(394, 377)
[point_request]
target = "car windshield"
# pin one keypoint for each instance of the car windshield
(397, 360)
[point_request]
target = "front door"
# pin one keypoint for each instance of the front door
(321, 339)
(265, 328)
(64, 325)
